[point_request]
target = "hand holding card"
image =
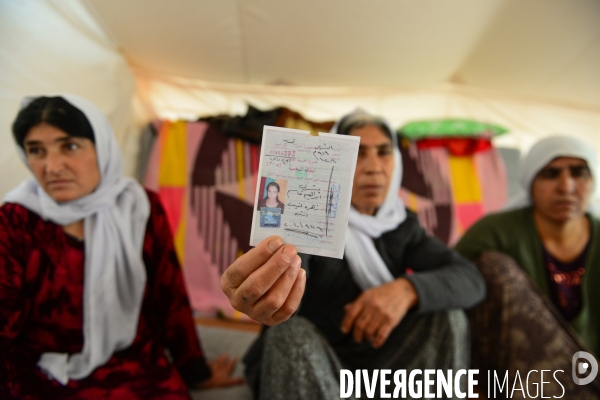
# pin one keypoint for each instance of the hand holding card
(267, 282)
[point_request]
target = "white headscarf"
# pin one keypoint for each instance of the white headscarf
(366, 265)
(541, 154)
(115, 217)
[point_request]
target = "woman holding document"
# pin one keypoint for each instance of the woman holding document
(392, 302)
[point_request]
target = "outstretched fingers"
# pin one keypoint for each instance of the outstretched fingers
(264, 281)
(241, 268)
(382, 335)
(352, 312)
(292, 302)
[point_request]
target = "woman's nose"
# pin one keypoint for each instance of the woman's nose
(54, 163)
(566, 182)
(373, 163)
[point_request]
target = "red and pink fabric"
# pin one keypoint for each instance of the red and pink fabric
(453, 175)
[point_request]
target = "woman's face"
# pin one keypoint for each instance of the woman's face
(65, 166)
(272, 192)
(561, 190)
(374, 169)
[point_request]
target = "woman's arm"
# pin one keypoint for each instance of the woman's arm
(479, 238)
(442, 278)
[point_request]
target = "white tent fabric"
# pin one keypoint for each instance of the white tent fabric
(528, 119)
(532, 66)
(545, 48)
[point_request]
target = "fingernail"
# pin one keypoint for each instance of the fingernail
(297, 262)
(275, 244)
(289, 252)
(302, 273)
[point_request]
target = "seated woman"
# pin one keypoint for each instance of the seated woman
(272, 199)
(543, 303)
(387, 304)
(91, 290)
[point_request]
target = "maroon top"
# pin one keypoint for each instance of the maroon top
(565, 282)
(41, 310)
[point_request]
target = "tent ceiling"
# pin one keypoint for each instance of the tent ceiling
(548, 49)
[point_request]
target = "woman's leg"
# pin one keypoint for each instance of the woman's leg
(438, 341)
(517, 330)
(298, 363)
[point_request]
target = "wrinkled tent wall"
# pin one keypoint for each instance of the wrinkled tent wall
(52, 47)
(528, 119)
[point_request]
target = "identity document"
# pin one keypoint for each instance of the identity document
(304, 188)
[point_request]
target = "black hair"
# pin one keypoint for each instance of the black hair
(353, 121)
(274, 184)
(55, 111)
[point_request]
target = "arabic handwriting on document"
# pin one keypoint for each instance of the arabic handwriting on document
(317, 174)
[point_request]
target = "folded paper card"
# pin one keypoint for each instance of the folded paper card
(304, 188)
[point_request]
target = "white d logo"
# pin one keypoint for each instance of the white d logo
(582, 367)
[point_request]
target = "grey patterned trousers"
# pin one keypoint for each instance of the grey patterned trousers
(298, 363)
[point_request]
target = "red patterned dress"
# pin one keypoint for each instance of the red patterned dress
(41, 310)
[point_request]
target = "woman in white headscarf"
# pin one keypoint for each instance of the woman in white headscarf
(546, 293)
(387, 304)
(91, 290)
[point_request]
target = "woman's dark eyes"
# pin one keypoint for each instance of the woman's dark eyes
(71, 146)
(380, 153)
(575, 172)
(40, 150)
(550, 173)
(582, 171)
